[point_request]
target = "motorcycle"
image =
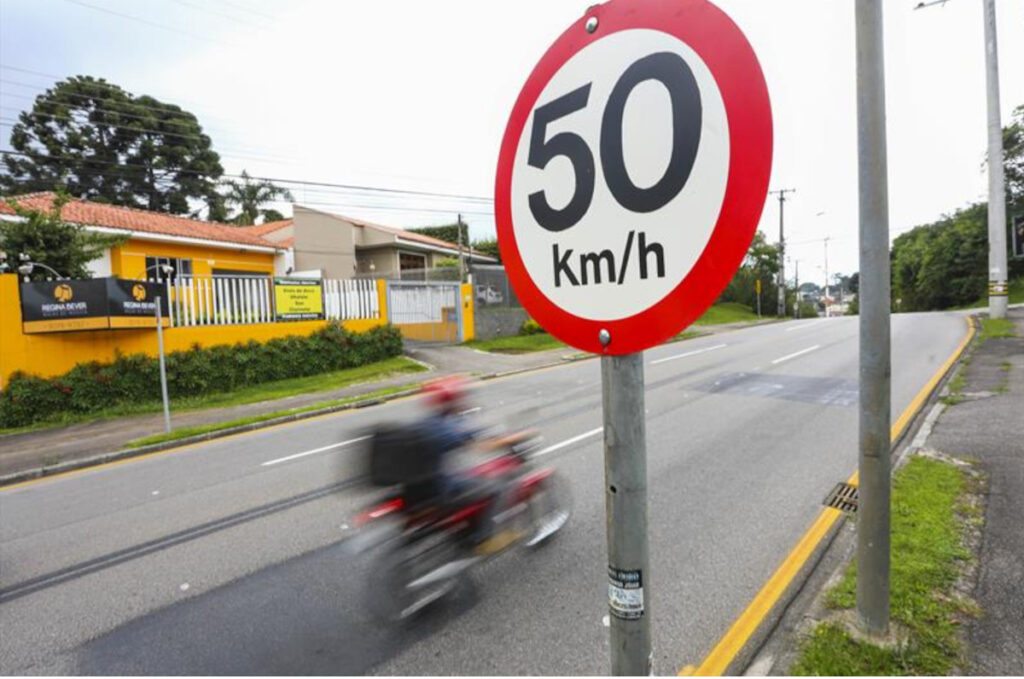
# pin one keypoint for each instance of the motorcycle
(424, 551)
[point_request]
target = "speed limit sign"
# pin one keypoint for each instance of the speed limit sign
(632, 173)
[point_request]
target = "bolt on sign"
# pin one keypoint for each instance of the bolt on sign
(298, 299)
(633, 172)
(94, 304)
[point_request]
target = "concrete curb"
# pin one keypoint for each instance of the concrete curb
(126, 453)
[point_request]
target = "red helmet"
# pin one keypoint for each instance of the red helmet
(445, 392)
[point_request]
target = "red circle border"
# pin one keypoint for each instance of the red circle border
(735, 68)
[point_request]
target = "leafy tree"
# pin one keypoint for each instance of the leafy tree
(943, 264)
(761, 263)
(488, 246)
(47, 239)
(1013, 161)
(249, 195)
(107, 145)
(446, 232)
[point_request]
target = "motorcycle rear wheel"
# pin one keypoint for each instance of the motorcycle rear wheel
(393, 598)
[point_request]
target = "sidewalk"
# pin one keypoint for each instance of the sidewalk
(47, 447)
(989, 427)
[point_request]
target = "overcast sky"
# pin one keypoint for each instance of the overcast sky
(415, 95)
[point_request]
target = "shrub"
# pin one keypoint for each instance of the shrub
(530, 327)
(93, 386)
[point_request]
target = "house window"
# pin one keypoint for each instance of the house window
(180, 266)
(412, 267)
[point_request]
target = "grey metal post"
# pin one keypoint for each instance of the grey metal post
(997, 269)
(625, 472)
(163, 368)
(874, 449)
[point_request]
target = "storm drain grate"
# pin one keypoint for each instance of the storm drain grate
(843, 497)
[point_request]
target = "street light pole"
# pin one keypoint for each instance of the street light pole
(998, 289)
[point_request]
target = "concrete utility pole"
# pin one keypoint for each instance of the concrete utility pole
(462, 270)
(782, 250)
(998, 272)
(998, 289)
(873, 539)
(826, 277)
(796, 305)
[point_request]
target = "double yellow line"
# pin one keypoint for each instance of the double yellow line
(730, 645)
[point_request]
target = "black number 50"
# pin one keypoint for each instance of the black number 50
(671, 71)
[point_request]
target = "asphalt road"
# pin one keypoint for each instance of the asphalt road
(224, 558)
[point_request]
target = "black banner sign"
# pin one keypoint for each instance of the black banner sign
(96, 304)
(132, 304)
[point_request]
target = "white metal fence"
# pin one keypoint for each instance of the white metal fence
(234, 300)
(351, 299)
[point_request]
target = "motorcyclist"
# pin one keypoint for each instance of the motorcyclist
(449, 432)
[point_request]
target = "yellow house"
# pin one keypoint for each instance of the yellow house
(154, 239)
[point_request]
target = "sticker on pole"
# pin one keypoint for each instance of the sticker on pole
(625, 593)
(633, 172)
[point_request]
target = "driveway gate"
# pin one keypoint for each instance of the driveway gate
(425, 310)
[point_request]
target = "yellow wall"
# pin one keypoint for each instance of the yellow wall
(468, 309)
(128, 260)
(49, 354)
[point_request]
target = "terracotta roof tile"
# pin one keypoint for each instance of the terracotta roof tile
(142, 221)
(267, 227)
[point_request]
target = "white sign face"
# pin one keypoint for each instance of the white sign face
(620, 174)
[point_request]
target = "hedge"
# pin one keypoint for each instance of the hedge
(94, 386)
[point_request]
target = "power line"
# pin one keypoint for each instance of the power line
(185, 3)
(249, 10)
(154, 24)
(227, 152)
(300, 182)
(65, 77)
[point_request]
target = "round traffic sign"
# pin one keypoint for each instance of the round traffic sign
(633, 172)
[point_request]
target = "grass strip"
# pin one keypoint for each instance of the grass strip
(517, 344)
(727, 312)
(927, 557)
(256, 393)
(186, 432)
(992, 328)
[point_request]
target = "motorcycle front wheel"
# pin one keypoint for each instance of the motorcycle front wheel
(548, 510)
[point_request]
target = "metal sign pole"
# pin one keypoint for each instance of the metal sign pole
(163, 368)
(625, 472)
(873, 538)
